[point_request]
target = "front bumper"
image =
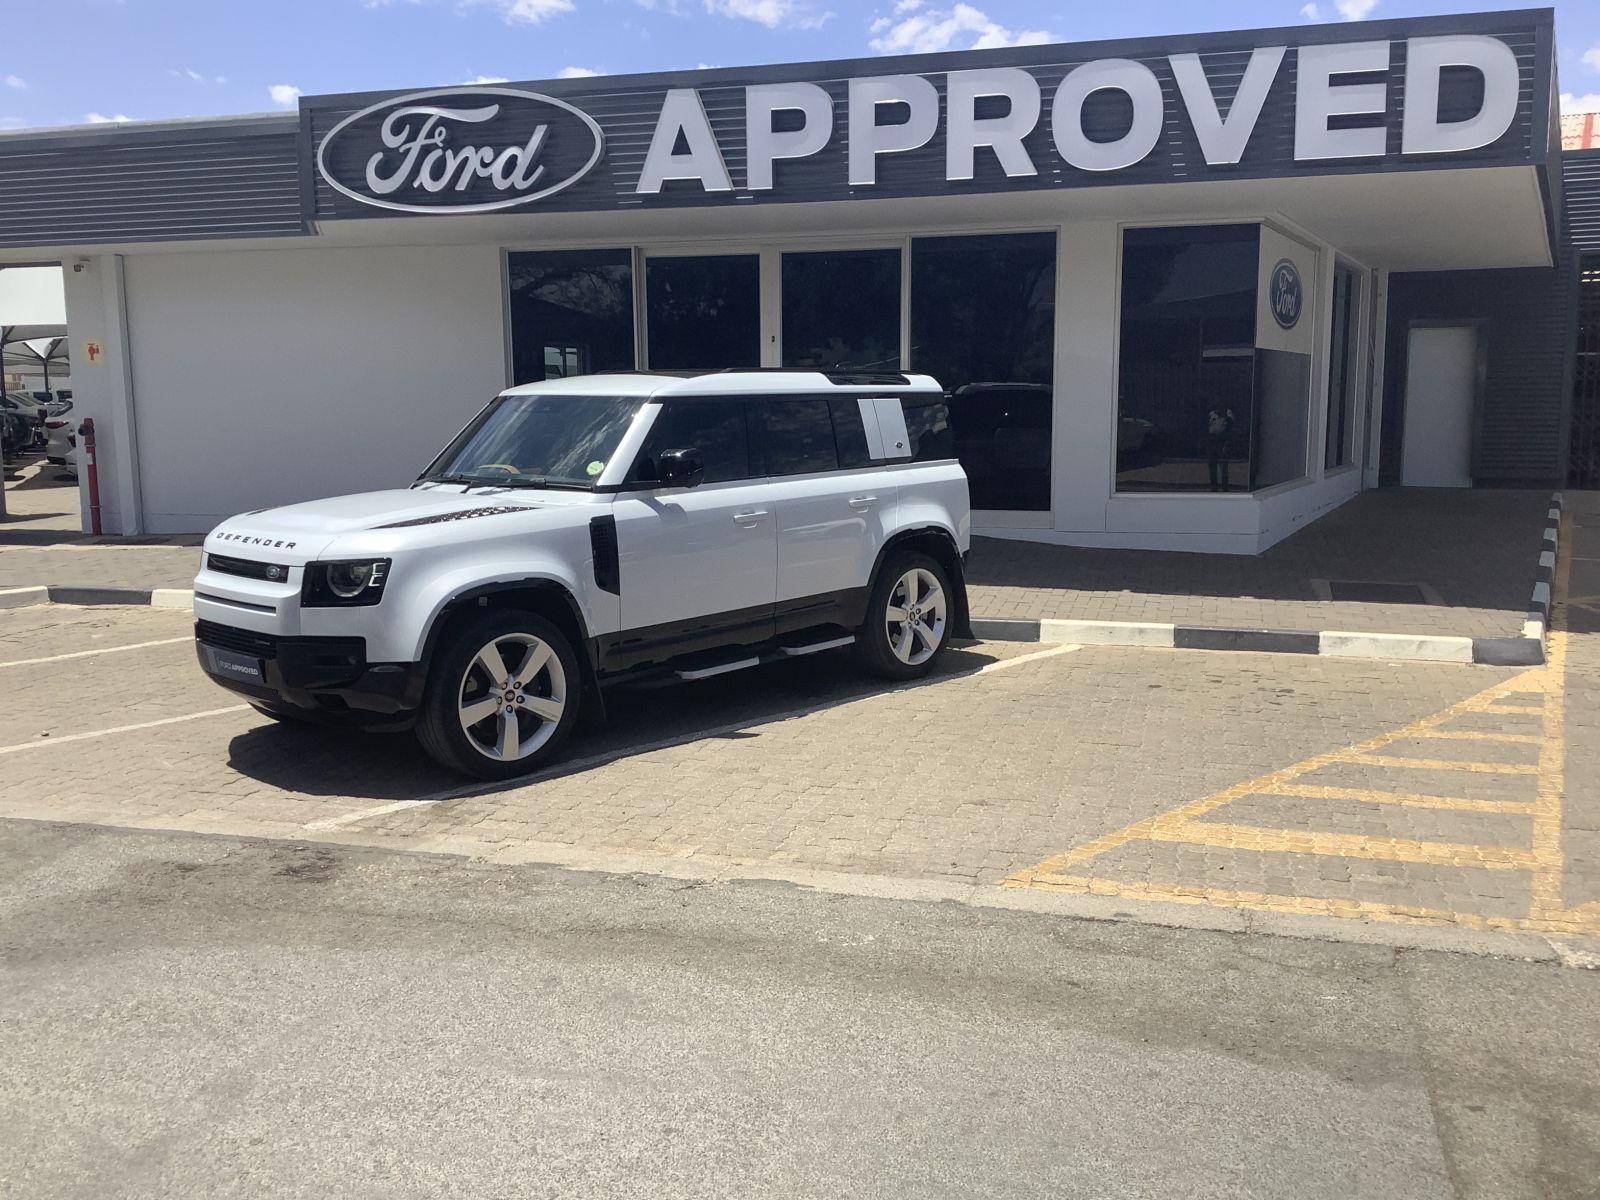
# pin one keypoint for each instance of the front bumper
(326, 676)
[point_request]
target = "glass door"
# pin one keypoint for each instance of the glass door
(841, 309)
(702, 311)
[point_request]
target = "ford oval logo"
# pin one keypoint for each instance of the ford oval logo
(460, 150)
(1287, 296)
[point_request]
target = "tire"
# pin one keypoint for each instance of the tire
(898, 649)
(466, 679)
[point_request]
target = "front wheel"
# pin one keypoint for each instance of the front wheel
(909, 616)
(502, 695)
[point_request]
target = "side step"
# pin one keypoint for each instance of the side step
(780, 654)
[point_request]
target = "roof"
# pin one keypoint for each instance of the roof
(1580, 131)
(735, 381)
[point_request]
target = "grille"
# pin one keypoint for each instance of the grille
(465, 513)
(226, 637)
(246, 568)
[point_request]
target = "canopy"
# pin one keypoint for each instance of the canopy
(35, 350)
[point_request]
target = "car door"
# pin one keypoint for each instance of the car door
(698, 565)
(833, 505)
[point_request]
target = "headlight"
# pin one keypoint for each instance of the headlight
(333, 584)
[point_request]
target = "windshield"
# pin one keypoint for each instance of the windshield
(538, 441)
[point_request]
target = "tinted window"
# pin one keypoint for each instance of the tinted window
(928, 423)
(850, 432)
(713, 429)
(703, 312)
(571, 313)
(841, 309)
(983, 324)
(796, 436)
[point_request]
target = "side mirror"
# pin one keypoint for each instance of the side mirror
(680, 468)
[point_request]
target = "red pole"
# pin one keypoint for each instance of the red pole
(86, 432)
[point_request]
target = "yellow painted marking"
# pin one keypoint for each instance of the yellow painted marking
(1473, 735)
(1447, 764)
(1405, 799)
(1537, 692)
(1343, 845)
(1311, 905)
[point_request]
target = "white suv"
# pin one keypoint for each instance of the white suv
(584, 531)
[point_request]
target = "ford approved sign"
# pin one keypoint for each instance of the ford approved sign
(460, 150)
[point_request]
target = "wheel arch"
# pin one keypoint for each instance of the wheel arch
(938, 543)
(542, 596)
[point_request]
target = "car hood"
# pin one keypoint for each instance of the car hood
(310, 527)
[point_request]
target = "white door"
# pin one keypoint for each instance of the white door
(696, 561)
(1441, 395)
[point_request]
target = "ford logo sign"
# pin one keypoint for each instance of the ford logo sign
(1287, 296)
(460, 150)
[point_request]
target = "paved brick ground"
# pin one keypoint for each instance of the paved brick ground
(984, 777)
(1477, 550)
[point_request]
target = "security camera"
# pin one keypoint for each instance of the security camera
(79, 266)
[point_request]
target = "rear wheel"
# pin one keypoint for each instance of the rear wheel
(502, 696)
(909, 617)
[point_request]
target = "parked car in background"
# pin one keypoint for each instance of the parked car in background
(33, 415)
(16, 434)
(61, 443)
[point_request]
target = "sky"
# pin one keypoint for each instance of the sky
(68, 62)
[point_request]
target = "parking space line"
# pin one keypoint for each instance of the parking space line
(1446, 764)
(1342, 845)
(1308, 791)
(100, 733)
(573, 766)
(1472, 735)
(1548, 876)
(33, 662)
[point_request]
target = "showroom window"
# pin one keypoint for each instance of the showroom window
(571, 313)
(841, 309)
(703, 312)
(983, 325)
(1213, 389)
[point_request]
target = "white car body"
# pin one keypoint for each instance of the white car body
(737, 563)
(61, 443)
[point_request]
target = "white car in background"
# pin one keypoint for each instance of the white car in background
(61, 443)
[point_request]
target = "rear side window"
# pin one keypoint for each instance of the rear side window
(794, 436)
(849, 432)
(928, 423)
(713, 429)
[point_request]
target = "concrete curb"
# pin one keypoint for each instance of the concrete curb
(1524, 651)
(174, 598)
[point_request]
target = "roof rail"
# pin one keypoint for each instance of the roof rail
(844, 378)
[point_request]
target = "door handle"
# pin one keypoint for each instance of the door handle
(862, 503)
(752, 518)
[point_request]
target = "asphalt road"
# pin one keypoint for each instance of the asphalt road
(183, 1016)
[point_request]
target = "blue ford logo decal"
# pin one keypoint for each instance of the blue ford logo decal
(1287, 295)
(460, 150)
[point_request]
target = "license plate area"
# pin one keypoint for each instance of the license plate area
(231, 664)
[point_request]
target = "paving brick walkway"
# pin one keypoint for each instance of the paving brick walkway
(1474, 552)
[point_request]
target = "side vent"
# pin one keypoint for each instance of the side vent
(607, 564)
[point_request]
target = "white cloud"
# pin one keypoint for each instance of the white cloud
(1572, 103)
(528, 12)
(1347, 10)
(16, 81)
(1591, 58)
(578, 73)
(284, 95)
(95, 118)
(480, 80)
(959, 28)
(774, 14)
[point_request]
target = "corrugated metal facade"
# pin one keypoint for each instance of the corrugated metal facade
(1581, 171)
(238, 179)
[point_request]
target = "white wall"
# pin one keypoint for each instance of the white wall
(31, 296)
(268, 377)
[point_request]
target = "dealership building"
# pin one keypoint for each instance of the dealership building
(1184, 293)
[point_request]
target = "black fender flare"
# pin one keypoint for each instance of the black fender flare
(949, 554)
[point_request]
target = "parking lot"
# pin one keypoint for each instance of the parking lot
(1238, 788)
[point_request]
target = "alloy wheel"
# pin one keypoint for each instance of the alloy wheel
(512, 697)
(915, 619)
